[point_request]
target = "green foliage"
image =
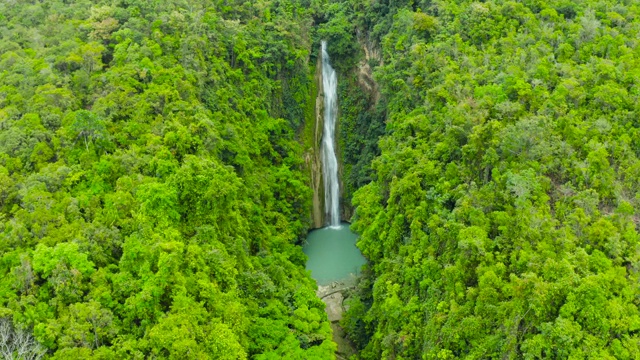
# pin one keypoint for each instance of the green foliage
(152, 197)
(339, 31)
(87, 126)
(500, 220)
(361, 125)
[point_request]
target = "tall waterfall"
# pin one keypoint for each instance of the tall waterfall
(329, 160)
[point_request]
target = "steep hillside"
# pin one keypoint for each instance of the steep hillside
(501, 221)
(150, 187)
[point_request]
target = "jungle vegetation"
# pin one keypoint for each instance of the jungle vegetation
(153, 195)
(500, 212)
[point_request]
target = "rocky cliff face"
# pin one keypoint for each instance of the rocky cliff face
(365, 73)
(312, 155)
(361, 121)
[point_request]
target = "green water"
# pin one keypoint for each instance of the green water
(333, 255)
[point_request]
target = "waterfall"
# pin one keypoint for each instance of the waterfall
(329, 160)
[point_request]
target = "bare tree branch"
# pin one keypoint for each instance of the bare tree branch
(18, 344)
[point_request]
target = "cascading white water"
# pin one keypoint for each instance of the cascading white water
(329, 160)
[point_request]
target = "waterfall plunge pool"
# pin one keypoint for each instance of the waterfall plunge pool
(333, 255)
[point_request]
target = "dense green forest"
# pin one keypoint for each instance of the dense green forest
(501, 219)
(153, 193)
